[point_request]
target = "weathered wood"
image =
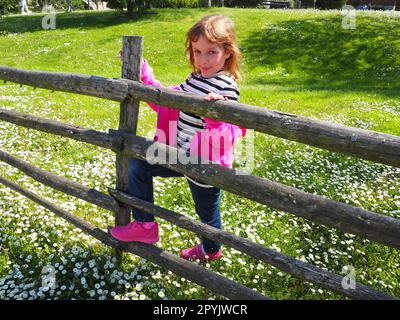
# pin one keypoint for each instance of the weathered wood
(111, 89)
(94, 137)
(334, 214)
(287, 264)
(129, 113)
(365, 144)
(316, 208)
(62, 184)
(193, 272)
(297, 268)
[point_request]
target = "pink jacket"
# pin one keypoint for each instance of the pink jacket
(215, 143)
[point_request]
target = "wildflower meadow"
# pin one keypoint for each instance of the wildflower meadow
(297, 61)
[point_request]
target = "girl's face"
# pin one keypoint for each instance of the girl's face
(209, 57)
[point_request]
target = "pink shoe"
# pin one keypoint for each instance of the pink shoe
(196, 253)
(136, 232)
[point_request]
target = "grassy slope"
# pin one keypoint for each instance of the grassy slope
(300, 62)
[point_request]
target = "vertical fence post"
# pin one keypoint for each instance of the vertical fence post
(132, 47)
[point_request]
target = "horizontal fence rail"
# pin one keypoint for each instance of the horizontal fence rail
(316, 208)
(193, 272)
(302, 270)
(98, 138)
(62, 184)
(365, 144)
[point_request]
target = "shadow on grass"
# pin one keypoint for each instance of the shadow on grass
(86, 20)
(318, 54)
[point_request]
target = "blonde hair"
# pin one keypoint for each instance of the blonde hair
(221, 30)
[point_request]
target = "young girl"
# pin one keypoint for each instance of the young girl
(213, 53)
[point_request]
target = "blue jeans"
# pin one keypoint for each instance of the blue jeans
(206, 200)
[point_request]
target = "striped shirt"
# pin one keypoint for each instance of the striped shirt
(189, 124)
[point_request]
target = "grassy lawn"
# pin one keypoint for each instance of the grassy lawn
(301, 62)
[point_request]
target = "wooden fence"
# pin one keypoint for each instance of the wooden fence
(374, 146)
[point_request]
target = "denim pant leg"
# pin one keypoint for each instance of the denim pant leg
(141, 175)
(207, 201)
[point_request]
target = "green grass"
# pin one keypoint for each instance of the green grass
(300, 62)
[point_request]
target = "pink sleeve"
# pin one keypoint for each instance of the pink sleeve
(148, 75)
(223, 126)
(216, 143)
(149, 79)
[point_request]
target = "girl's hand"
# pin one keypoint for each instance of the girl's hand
(214, 96)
